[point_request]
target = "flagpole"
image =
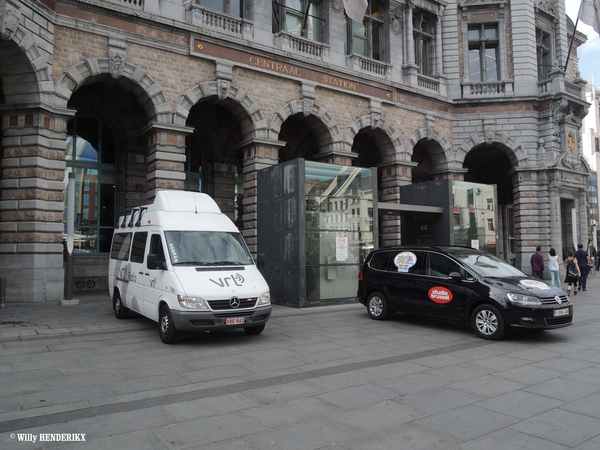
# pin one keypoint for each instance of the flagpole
(573, 37)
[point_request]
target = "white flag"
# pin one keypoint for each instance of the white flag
(589, 13)
(355, 9)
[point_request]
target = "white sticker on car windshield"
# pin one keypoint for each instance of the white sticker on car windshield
(404, 261)
(535, 284)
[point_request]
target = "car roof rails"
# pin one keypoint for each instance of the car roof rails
(133, 211)
(142, 211)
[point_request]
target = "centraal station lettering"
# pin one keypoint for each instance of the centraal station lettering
(274, 65)
(339, 82)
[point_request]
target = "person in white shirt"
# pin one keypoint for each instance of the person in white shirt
(554, 268)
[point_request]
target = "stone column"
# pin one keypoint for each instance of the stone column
(555, 218)
(532, 215)
(258, 154)
(32, 205)
(392, 177)
(165, 157)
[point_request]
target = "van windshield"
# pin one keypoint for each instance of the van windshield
(488, 265)
(207, 248)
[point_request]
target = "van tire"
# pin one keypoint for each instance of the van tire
(487, 322)
(377, 306)
(121, 312)
(255, 330)
(166, 327)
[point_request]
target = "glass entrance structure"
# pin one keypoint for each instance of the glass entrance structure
(316, 224)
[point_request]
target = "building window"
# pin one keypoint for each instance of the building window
(365, 39)
(483, 52)
(232, 7)
(302, 18)
(90, 154)
(423, 37)
(490, 224)
(597, 140)
(544, 53)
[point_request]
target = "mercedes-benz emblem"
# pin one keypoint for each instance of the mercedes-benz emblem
(234, 302)
(558, 300)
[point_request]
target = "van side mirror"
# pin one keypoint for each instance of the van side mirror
(156, 264)
(260, 260)
(455, 276)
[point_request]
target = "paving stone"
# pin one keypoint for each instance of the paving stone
(293, 411)
(510, 440)
(589, 406)
(357, 396)
(520, 404)
(433, 401)
(307, 435)
(206, 407)
(488, 386)
(562, 427)
(562, 389)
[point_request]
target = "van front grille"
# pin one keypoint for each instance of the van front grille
(220, 305)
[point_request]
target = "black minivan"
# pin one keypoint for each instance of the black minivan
(461, 284)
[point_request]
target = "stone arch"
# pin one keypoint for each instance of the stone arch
(147, 91)
(34, 60)
(432, 135)
(244, 108)
(390, 150)
(330, 139)
(517, 156)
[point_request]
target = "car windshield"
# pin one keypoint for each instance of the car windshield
(207, 248)
(488, 265)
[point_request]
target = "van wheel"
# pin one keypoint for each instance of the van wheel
(166, 327)
(377, 306)
(487, 322)
(121, 312)
(255, 330)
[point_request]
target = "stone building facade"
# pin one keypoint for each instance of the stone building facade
(135, 96)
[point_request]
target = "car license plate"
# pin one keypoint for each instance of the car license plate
(235, 320)
(561, 312)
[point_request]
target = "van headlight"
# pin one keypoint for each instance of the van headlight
(523, 300)
(264, 299)
(192, 302)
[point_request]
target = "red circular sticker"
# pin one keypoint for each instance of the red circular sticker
(440, 294)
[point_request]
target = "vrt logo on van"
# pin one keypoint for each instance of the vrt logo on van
(236, 279)
(440, 294)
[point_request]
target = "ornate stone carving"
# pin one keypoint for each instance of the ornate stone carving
(222, 89)
(9, 22)
(116, 56)
(489, 131)
(336, 6)
(307, 105)
(396, 16)
(547, 7)
(375, 120)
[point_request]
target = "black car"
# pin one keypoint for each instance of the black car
(461, 284)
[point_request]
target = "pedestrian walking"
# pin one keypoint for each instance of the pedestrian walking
(537, 263)
(554, 268)
(583, 259)
(573, 272)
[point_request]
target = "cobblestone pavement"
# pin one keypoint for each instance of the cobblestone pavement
(316, 378)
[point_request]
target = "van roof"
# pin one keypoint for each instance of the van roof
(181, 201)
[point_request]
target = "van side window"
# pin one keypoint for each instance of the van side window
(156, 247)
(380, 261)
(139, 245)
(120, 246)
(441, 266)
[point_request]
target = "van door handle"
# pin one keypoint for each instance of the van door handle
(147, 274)
(141, 273)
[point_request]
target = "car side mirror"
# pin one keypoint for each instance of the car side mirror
(260, 260)
(156, 264)
(455, 276)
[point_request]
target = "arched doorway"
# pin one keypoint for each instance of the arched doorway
(214, 162)
(299, 132)
(430, 160)
(490, 164)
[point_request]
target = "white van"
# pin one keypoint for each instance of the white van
(184, 264)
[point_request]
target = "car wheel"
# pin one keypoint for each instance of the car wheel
(377, 306)
(487, 322)
(255, 330)
(166, 327)
(121, 312)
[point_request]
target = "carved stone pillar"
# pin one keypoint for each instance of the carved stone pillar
(32, 205)
(165, 157)
(258, 154)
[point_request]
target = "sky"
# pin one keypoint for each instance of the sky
(589, 53)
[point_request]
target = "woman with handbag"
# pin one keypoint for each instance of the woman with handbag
(573, 272)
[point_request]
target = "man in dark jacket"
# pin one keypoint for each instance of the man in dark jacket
(582, 259)
(537, 263)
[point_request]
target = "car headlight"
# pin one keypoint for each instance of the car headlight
(264, 299)
(523, 300)
(192, 302)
